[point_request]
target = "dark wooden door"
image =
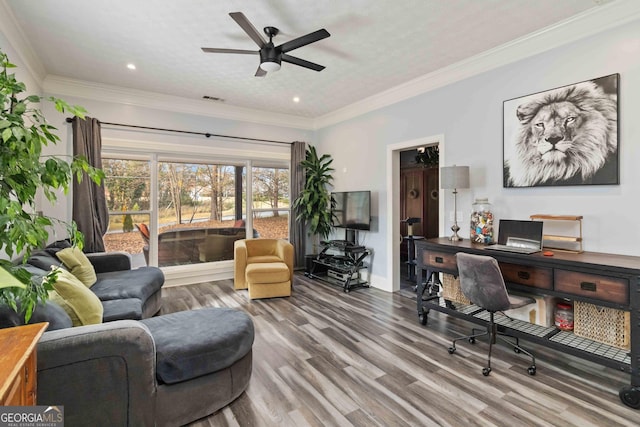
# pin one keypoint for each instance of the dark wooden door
(419, 199)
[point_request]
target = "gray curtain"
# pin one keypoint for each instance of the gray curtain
(296, 228)
(89, 202)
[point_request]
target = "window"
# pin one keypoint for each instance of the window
(196, 213)
(270, 205)
(127, 188)
(196, 206)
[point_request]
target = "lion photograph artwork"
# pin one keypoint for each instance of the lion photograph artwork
(563, 136)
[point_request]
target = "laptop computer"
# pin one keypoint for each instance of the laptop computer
(524, 237)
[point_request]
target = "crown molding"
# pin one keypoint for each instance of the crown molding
(569, 30)
(20, 43)
(101, 92)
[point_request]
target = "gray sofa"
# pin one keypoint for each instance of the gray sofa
(123, 292)
(135, 369)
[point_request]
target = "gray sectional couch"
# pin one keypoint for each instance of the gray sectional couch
(136, 369)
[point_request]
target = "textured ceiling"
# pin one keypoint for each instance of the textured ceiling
(374, 44)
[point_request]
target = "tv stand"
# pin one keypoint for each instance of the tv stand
(340, 262)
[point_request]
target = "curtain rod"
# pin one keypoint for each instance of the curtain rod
(207, 134)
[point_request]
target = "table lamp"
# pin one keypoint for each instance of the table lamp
(454, 177)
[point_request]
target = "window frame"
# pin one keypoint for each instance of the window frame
(190, 153)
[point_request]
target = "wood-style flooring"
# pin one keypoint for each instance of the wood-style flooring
(325, 358)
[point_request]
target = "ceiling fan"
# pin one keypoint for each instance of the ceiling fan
(271, 56)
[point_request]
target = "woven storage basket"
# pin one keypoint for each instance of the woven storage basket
(451, 289)
(602, 324)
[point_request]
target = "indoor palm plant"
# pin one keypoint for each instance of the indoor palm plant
(314, 203)
(23, 172)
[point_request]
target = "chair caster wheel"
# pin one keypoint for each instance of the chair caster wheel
(451, 350)
(472, 340)
(531, 370)
(486, 371)
(517, 350)
(422, 318)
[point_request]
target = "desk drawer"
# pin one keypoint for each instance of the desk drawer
(440, 260)
(613, 289)
(536, 277)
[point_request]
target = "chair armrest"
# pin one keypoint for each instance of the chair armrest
(284, 251)
(103, 374)
(239, 264)
(104, 262)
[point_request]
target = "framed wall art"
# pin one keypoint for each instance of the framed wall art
(563, 136)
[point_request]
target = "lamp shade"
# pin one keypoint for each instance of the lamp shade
(452, 177)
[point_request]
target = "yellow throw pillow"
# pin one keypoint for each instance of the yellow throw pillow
(82, 305)
(78, 264)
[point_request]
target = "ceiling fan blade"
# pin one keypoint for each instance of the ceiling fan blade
(303, 41)
(301, 62)
(260, 72)
(216, 50)
(248, 28)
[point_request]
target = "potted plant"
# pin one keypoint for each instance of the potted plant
(23, 172)
(428, 156)
(314, 203)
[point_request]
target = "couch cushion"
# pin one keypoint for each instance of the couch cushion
(47, 312)
(121, 309)
(78, 264)
(43, 260)
(193, 343)
(52, 313)
(82, 306)
(140, 283)
(263, 258)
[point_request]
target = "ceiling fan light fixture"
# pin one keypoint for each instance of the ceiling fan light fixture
(270, 66)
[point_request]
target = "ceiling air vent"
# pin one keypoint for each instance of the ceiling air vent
(213, 98)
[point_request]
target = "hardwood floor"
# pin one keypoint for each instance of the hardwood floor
(325, 358)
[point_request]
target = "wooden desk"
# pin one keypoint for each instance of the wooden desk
(18, 367)
(597, 278)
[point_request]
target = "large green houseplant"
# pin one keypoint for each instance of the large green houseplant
(23, 172)
(314, 203)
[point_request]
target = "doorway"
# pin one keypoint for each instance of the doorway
(394, 211)
(419, 197)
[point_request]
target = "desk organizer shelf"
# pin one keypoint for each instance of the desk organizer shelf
(568, 243)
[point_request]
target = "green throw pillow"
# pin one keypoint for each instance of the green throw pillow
(78, 264)
(82, 305)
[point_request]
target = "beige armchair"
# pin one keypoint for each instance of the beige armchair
(264, 266)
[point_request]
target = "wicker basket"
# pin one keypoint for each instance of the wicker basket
(451, 289)
(602, 324)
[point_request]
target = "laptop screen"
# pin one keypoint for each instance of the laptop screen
(511, 228)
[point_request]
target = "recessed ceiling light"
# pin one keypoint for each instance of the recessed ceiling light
(296, 99)
(131, 66)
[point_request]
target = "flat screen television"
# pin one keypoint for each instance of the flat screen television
(352, 210)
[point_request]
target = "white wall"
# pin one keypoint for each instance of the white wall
(469, 115)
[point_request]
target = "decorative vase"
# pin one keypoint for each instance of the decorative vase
(481, 222)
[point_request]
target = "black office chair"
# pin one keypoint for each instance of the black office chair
(482, 283)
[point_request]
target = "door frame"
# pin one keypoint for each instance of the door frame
(393, 205)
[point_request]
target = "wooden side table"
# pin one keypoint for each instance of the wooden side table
(18, 367)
